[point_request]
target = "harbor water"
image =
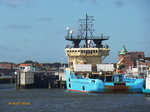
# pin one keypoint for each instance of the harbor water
(60, 100)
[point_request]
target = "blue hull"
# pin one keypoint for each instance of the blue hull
(146, 91)
(89, 85)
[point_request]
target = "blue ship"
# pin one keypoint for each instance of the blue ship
(85, 72)
(89, 85)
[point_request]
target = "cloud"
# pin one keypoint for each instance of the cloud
(119, 3)
(45, 19)
(25, 40)
(2, 56)
(13, 26)
(15, 3)
(60, 31)
(95, 2)
(8, 49)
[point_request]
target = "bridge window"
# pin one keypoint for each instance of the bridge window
(82, 51)
(87, 52)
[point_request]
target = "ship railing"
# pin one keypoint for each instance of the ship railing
(88, 38)
(84, 46)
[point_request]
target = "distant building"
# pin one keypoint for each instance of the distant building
(26, 68)
(53, 66)
(145, 61)
(129, 59)
(7, 68)
(7, 65)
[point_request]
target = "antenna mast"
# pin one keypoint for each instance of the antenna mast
(86, 28)
(86, 33)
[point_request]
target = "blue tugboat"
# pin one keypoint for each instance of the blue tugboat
(85, 72)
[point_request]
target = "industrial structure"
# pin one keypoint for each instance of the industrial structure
(132, 61)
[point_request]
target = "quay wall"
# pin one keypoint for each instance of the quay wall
(27, 80)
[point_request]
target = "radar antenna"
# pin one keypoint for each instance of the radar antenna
(86, 28)
(86, 33)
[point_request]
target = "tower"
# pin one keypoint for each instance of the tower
(122, 53)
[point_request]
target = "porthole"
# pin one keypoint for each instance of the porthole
(93, 81)
(83, 88)
(69, 85)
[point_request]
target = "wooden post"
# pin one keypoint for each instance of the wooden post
(61, 82)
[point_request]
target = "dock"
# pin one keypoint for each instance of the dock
(29, 80)
(7, 79)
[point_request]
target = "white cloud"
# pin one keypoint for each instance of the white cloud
(13, 26)
(15, 3)
(8, 48)
(95, 2)
(45, 19)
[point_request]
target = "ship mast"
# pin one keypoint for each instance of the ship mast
(86, 33)
(86, 27)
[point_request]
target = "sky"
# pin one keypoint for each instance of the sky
(36, 29)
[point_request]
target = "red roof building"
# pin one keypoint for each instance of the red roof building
(129, 59)
(5, 65)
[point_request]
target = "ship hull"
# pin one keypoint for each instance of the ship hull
(89, 85)
(146, 91)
